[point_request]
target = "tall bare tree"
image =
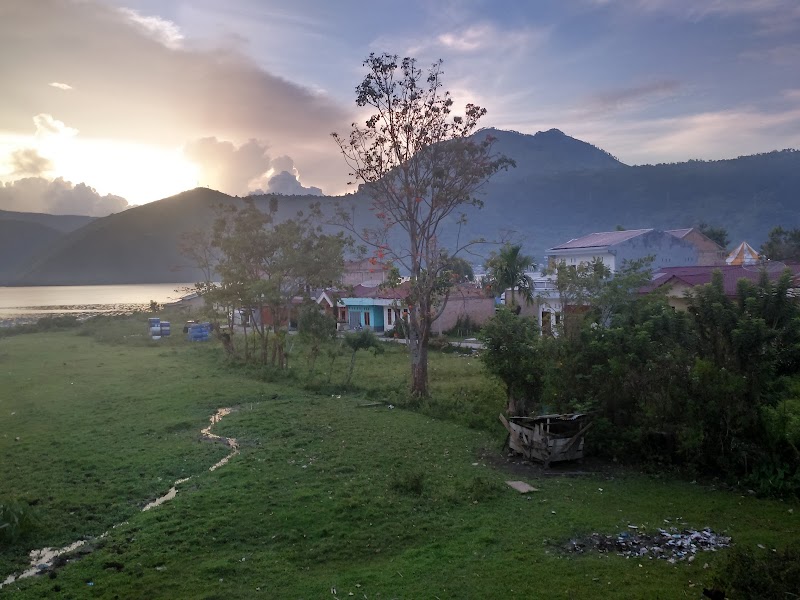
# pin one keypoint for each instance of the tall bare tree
(419, 164)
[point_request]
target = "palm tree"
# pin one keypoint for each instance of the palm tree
(506, 269)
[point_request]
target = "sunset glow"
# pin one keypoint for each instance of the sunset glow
(233, 95)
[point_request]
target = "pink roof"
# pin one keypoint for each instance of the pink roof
(365, 264)
(465, 290)
(600, 240)
(731, 275)
(679, 233)
(378, 292)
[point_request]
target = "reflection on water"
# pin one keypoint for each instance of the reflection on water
(43, 559)
(86, 299)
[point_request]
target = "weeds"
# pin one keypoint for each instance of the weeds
(409, 483)
(16, 521)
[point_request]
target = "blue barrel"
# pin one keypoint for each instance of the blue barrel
(199, 332)
(153, 322)
(165, 328)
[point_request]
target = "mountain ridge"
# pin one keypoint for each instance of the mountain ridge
(561, 188)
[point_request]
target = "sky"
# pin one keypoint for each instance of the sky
(111, 103)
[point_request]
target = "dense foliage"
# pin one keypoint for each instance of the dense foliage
(714, 389)
(254, 268)
(782, 244)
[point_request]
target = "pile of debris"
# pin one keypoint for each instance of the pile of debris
(671, 545)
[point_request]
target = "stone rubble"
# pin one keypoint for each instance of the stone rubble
(672, 545)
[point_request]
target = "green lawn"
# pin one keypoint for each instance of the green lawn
(326, 499)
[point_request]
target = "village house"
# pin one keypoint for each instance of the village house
(368, 271)
(680, 247)
(678, 282)
(615, 247)
(379, 309)
(709, 252)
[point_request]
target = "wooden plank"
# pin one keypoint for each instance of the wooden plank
(521, 487)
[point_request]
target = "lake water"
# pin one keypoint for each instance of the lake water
(29, 303)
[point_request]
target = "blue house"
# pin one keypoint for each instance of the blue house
(366, 307)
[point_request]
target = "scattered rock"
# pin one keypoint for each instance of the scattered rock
(671, 545)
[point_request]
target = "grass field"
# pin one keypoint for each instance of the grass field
(327, 499)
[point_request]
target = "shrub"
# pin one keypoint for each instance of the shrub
(409, 483)
(16, 520)
(464, 327)
(54, 323)
(763, 574)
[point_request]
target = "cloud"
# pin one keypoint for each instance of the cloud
(625, 97)
(47, 125)
(162, 30)
(245, 169)
(783, 54)
(135, 80)
(61, 86)
(770, 17)
(227, 168)
(483, 36)
(286, 183)
(472, 38)
(57, 197)
(28, 161)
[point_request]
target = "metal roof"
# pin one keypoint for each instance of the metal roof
(601, 240)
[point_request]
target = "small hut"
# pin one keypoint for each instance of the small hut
(547, 438)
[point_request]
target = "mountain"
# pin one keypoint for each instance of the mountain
(139, 245)
(561, 188)
(62, 223)
(20, 241)
(546, 153)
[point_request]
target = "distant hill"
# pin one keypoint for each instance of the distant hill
(20, 241)
(747, 195)
(139, 245)
(63, 223)
(561, 188)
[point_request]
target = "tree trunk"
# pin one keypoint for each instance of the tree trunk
(246, 342)
(352, 366)
(419, 371)
(419, 328)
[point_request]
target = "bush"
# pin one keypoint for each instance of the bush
(409, 484)
(54, 323)
(760, 573)
(464, 327)
(16, 520)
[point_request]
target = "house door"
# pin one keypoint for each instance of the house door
(355, 319)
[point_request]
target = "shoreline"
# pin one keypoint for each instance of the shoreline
(27, 315)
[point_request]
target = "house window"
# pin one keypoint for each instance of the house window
(366, 319)
(342, 315)
(389, 316)
(558, 318)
